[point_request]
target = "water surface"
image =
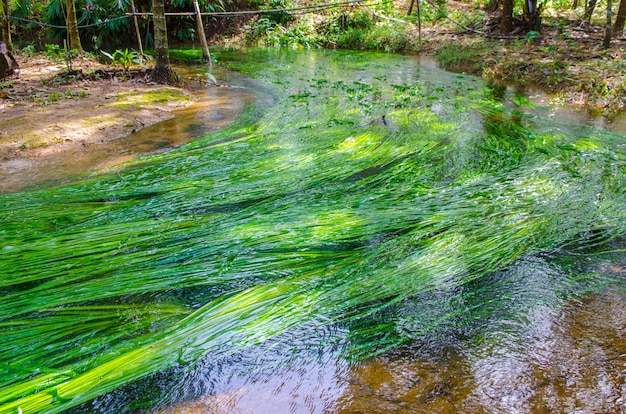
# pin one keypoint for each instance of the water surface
(376, 236)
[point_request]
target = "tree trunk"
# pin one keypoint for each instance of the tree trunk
(72, 26)
(493, 5)
(589, 10)
(532, 14)
(162, 72)
(205, 47)
(5, 29)
(410, 12)
(607, 31)
(8, 64)
(618, 27)
(419, 23)
(506, 25)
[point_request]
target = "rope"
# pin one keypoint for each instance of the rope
(54, 26)
(288, 10)
(292, 10)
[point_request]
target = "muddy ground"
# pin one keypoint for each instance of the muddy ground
(46, 108)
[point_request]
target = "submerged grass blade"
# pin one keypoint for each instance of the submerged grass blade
(349, 196)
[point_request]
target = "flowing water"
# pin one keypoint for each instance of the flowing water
(373, 235)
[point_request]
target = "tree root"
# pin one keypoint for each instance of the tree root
(166, 75)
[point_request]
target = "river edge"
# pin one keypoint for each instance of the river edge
(47, 110)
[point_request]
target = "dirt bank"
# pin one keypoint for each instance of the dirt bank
(47, 109)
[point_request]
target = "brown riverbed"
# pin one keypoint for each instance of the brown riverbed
(573, 360)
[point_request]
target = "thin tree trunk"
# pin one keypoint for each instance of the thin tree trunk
(72, 26)
(506, 25)
(410, 8)
(132, 8)
(618, 27)
(205, 47)
(607, 31)
(533, 14)
(589, 10)
(6, 25)
(162, 72)
(419, 23)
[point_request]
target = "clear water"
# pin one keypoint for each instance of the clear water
(375, 236)
(551, 354)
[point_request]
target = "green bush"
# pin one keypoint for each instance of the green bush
(390, 37)
(338, 25)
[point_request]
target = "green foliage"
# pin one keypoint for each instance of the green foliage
(432, 11)
(273, 29)
(345, 29)
(29, 50)
(125, 57)
(56, 53)
(279, 17)
(4, 84)
(52, 51)
(530, 36)
(257, 29)
(387, 36)
(300, 34)
(355, 29)
(468, 57)
(364, 186)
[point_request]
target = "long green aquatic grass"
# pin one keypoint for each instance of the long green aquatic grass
(367, 183)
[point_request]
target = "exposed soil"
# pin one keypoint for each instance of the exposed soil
(46, 108)
(566, 59)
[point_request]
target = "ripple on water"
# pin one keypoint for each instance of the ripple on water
(571, 359)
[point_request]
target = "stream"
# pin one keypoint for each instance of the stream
(340, 232)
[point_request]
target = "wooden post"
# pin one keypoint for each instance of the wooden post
(132, 9)
(205, 47)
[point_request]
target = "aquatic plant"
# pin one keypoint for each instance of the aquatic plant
(364, 185)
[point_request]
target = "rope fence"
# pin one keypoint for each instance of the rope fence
(225, 14)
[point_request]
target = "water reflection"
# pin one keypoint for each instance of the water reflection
(573, 362)
(545, 359)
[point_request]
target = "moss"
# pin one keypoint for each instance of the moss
(161, 95)
(98, 121)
